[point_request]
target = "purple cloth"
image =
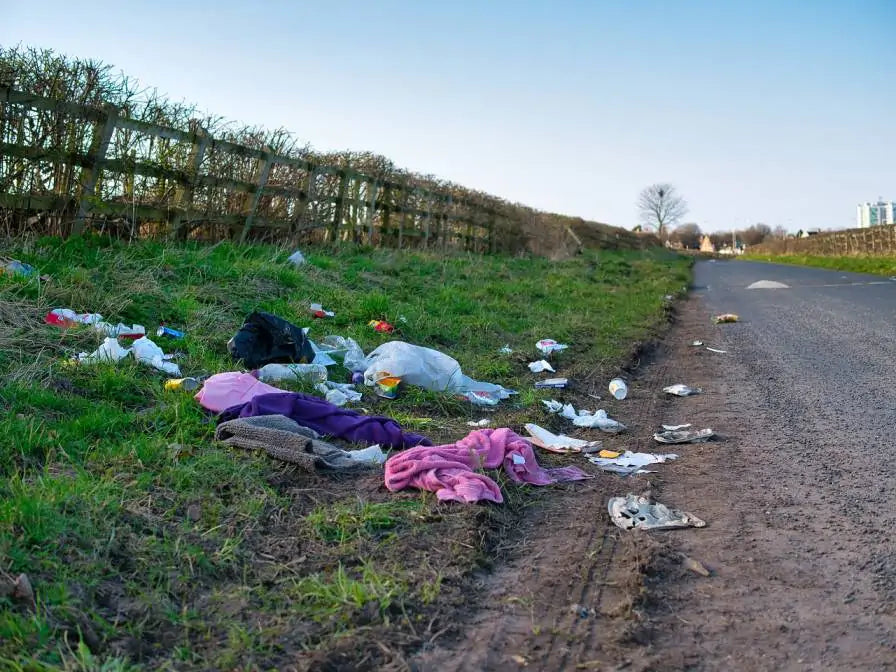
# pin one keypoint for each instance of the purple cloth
(328, 420)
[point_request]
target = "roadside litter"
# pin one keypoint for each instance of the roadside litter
(725, 317)
(721, 352)
(286, 440)
(226, 390)
(540, 366)
(144, 351)
(548, 345)
(560, 443)
(429, 369)
(339, 349)
(506, 350)
(65, 318)
(275, 373)
(317, 310)
(618, 389)
(684, 436)
(185, 384)
(265, 339)
(632, 512)
(381, 326)
(694, 566)
(296, 258)
(485, 422)
(680, 390)
(16, 267)
(558, 383)
(339, 394)
(449, 470)
(695, 344)
(674, 428)
(599, 419)
(328, 419)
(630, 463)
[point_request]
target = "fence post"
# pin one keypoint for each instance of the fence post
(371, 210)
(340, 201)
(387, 203)
(184, 195)
(262, 171)
(426, 221)
(102, 136)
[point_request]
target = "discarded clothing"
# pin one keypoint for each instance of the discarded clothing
(285, 440)
(265, 339)
(225, 390)
(631, 512)
(328, 420)
(449, 470)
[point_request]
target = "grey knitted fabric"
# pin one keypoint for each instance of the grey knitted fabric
(284, 439)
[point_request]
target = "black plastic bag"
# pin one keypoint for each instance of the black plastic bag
(265, 338)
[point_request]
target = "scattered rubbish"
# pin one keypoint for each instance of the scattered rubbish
(226, 390)
(296, 258)
(169, 332)
(147, 352)
(552, 405)
(549, 345)
(284, 439)
(450, 470)
(120, 330)
(630, 463)
(725, 317)
(609, 454)
(552, 382)
(16, 267)
(387, 387)
(680, 390)
(327, 419)
(485, 422)
(618, 388)
(696, 344)
(381, 326)
(721, 352)
(559, 443)
(684, 436)
(343, 350)
(429, 369)
(65, 317)
(317, 310)
(540, 366)
(265, 339)
(339, 394)
(185, 384)
(275, 373)
(668, 297)
(519, 660)
(768, 284)
(506, 350)
(694, 566)
(598, 419)
(632, 512)
(109, 351)
(675, 428)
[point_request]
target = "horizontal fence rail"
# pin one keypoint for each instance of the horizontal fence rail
(75, 167)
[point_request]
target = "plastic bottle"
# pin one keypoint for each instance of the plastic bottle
(272, 373)
(618, 388)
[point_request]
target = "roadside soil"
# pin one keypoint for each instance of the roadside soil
(785, 590)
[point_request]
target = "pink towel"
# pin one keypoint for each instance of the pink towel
(449, 470)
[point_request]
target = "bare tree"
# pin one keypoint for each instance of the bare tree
(779, 232)
(688, 235)
(661, 207)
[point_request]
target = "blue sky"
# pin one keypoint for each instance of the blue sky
(776, 112)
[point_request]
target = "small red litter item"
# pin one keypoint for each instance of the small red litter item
(381, 326)
(317, 310)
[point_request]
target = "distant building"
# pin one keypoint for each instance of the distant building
(875, 214)
(706, 244)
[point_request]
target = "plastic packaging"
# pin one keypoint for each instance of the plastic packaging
(297, 258)
(147, 352)
(273, 373)
(540, 366)
(186, 384)
(618, 388)
(109, 351)
(549, 345)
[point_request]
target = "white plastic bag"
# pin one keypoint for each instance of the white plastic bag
(297, 258)
(273, 373)
(109, 351)
(540, 366)
(344, 350)
(147, 352)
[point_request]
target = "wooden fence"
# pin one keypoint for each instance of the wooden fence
(872, 241)
(81, 166)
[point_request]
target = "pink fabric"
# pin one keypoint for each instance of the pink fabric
(449, 470)
(224, 390)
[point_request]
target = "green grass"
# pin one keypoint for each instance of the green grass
(183, 555)
(855, 264)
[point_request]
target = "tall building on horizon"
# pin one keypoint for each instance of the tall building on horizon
(875, 214)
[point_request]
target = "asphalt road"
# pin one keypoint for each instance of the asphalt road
(800, 496)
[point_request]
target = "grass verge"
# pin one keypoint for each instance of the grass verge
(149, 547)
(856, 264)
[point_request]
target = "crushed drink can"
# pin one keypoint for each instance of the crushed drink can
(169, 332)
(186, 384)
